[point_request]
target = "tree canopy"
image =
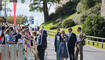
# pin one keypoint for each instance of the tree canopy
(42, 6)
(19, 19)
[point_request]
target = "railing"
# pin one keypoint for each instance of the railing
(93, 39)
(97, 40)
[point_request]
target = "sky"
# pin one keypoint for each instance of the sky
(23, 9)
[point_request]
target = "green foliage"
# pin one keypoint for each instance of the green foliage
(10, 19)
(95, 10)
(22, 1)
(89, 3)
(66, 10)
(2, 19)
(94, 26)
(54, 27)
(42, 6)
(19, 19)
(68, 23)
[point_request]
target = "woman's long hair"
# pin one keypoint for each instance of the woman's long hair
(63, 34)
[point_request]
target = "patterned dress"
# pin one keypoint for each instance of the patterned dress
(63, 49)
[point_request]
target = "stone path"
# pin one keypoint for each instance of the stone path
(90, 53)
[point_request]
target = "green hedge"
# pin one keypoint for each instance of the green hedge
(68, 23)
(94, 26)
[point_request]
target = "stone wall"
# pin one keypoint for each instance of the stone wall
(103, 8)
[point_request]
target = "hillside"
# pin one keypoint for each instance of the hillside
(51, 24)
(76, 15)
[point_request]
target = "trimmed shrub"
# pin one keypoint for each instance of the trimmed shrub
(68, 23)
(94, 26)
(54, 27)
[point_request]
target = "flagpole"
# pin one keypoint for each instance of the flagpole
(14, 4)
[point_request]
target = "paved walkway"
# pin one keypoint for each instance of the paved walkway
(90, 53)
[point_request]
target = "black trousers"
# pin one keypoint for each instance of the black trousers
(71, 50)
(41, 53)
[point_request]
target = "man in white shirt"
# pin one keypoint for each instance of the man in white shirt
(80, 43)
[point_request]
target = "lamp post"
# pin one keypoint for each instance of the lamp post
(5, 12)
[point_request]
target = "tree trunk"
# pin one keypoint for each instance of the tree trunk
(45, 11)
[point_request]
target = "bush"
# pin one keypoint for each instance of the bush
(52, 16)
(94, 26)
(68, 23)
(54, 27)
(19, 19)
(92, 11)
(2, 19)
(66, 9)
(89, 3)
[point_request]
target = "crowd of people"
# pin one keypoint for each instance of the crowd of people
(69, 45)
(66, 45)
(11, 34)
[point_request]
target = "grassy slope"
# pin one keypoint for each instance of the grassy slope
(50, 24)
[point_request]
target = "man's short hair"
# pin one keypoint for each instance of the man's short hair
(79, 28)
(42, 26)
(3, 28)
(58, 29)
(19, 36)
(70, 29)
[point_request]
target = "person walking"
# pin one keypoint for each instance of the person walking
(42, 43)
(80, 43)
(63, 53)
(57, 44)
(71, 44)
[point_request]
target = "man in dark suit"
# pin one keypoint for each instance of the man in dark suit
(71, 44)
(42, 43)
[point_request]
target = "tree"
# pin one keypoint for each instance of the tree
(2, 19)
(19, 19)
(42, 6)
(22, 1)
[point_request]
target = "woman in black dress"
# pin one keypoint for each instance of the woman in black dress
(63, 49)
